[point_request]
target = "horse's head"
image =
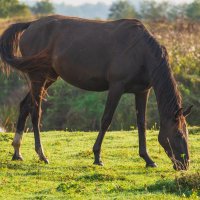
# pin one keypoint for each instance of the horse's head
(173, 137)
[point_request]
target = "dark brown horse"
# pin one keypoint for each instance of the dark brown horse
(119, 56)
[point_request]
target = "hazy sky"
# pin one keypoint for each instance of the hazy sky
(78, 2)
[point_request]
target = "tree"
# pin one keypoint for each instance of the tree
(151, 10)
(43, 7)
(177, 12)
(10, 8)
(122, 9)
(193, 10)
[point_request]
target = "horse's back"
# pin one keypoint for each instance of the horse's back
(86, 53)
(64, 30)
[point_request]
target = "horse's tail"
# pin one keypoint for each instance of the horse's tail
(9, 43)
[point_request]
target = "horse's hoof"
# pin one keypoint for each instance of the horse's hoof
(100, 163)
(19, 157)
(46, 161)
(151, 165)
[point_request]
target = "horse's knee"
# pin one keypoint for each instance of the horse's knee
(141, 124)
(105, 122)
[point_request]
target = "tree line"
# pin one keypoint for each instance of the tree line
(148, 9)
(155, 11)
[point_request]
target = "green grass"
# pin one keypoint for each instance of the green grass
(71, 174)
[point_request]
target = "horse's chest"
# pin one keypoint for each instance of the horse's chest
(135, 88)
(137, 84)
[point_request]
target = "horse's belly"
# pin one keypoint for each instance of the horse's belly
(90, 83)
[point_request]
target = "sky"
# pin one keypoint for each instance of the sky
(79, 2)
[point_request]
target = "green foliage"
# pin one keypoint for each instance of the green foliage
(189, 182)
(193, 10)
(122, 9)
(5, 138)
(71, 174)
(68, 106)
(151, 10)
(8, 84)
(10, 8)
(184, 184)
(9, 87)
(176, 11)
(43, 7)
(74, 109)
(8, 117)
(154, 10)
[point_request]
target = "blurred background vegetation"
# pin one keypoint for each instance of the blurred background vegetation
(174, 25)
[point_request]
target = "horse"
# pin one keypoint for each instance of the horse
(120, 56)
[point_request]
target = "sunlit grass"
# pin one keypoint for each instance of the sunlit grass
(71, 174)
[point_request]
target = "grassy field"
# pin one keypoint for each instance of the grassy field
(71, 174)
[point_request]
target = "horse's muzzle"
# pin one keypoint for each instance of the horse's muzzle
(180, 166)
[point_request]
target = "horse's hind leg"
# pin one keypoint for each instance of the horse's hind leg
(38, 91)
(26, 107)
(24, 111)
(114, 94)
(37, 87)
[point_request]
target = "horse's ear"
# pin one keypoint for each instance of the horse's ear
(178, 113)
(187, 111)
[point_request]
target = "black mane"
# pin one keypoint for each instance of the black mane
(168, 96)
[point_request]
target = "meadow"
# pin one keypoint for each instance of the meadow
(71, 174)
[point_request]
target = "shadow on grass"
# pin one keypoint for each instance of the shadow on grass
(180, 186)
(100, 177)
(5, 137)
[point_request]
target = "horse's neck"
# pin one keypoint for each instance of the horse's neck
(166, 91)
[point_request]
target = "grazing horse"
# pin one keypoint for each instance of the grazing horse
(119, 56)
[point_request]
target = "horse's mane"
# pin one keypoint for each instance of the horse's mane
(165, 86)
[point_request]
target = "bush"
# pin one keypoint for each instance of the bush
(11, 8)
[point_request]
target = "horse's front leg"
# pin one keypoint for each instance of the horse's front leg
(141, 102)
(114, 94)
